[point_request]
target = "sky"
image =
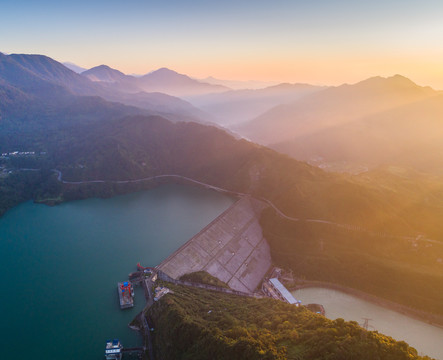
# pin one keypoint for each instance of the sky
(313, 41)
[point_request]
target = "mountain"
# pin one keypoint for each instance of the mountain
(90, 146)
(332, 107)
(162, 80)
(390, 216)
(324, 120)
(234, 107)
(408, 136)
(105, 73)
(29, 90)
(212, 325)
(172, 83)
(41, 76)
(51, 71)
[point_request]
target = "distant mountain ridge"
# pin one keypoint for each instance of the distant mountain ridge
(226, 106)
(237, 106)
(110, 76)
(345, 123)
(89, 138)
(52, 71)
(162, 80)
(408, 136)
(333, 106)
(104, 73)
(41, 76)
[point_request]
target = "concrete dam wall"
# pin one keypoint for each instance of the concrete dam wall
(231, 248)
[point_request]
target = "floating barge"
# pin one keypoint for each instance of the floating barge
(113, 350)
(126, 294)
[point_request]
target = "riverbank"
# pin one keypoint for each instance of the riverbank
(79, 190)
(432, 319)
(103, 189)
(195, 323)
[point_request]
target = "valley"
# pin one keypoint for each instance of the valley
(102, 133)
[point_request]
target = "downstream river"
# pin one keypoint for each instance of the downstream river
(60, 266)
(427, 339)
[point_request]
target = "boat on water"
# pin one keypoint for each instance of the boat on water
(113, 350)
(125, 294)
(141, 268)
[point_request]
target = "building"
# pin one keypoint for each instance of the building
(160, 291)
(275, 289)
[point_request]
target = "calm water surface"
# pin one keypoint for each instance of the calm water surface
(60, 266)
(427, 339)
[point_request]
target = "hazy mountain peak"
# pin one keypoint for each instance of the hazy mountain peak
(173, 83)
(333, 107)
(165, 70)
(399, 77)
(102, 67)
(165, 74)
(104, 73)
(401, 80)
(289, 86)
(397, 80)
(18, 69)
(39, 63)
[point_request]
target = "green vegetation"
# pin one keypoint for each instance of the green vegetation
(202, 277)
(317, 308)
(404, 271)
(136, 147)
(20, 186)
(88, 138)
(200, 324)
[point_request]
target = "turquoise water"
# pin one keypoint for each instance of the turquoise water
(426, 338)
(60, 266)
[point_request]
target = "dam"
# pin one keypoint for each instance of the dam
(231, 248)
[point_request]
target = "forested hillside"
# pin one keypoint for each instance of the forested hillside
(87, 138)
(194, 323)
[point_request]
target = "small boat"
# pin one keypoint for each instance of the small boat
(113, 350)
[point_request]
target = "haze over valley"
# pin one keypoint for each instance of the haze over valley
(353, 127)
(222, 159)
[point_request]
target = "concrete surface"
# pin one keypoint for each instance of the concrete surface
(231, 248)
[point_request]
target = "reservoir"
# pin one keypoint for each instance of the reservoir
(60, 266)
(426, 338)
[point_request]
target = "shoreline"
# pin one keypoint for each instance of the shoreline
(429, 318)
(149, 183)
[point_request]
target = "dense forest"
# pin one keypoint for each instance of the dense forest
(193, 323)
(138, 146)
(89, 138)
(392, 268)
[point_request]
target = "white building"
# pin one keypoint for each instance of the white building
(282, 293)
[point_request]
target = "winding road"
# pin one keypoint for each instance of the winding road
(216, 188)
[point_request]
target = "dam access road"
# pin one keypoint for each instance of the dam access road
(414, 238)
